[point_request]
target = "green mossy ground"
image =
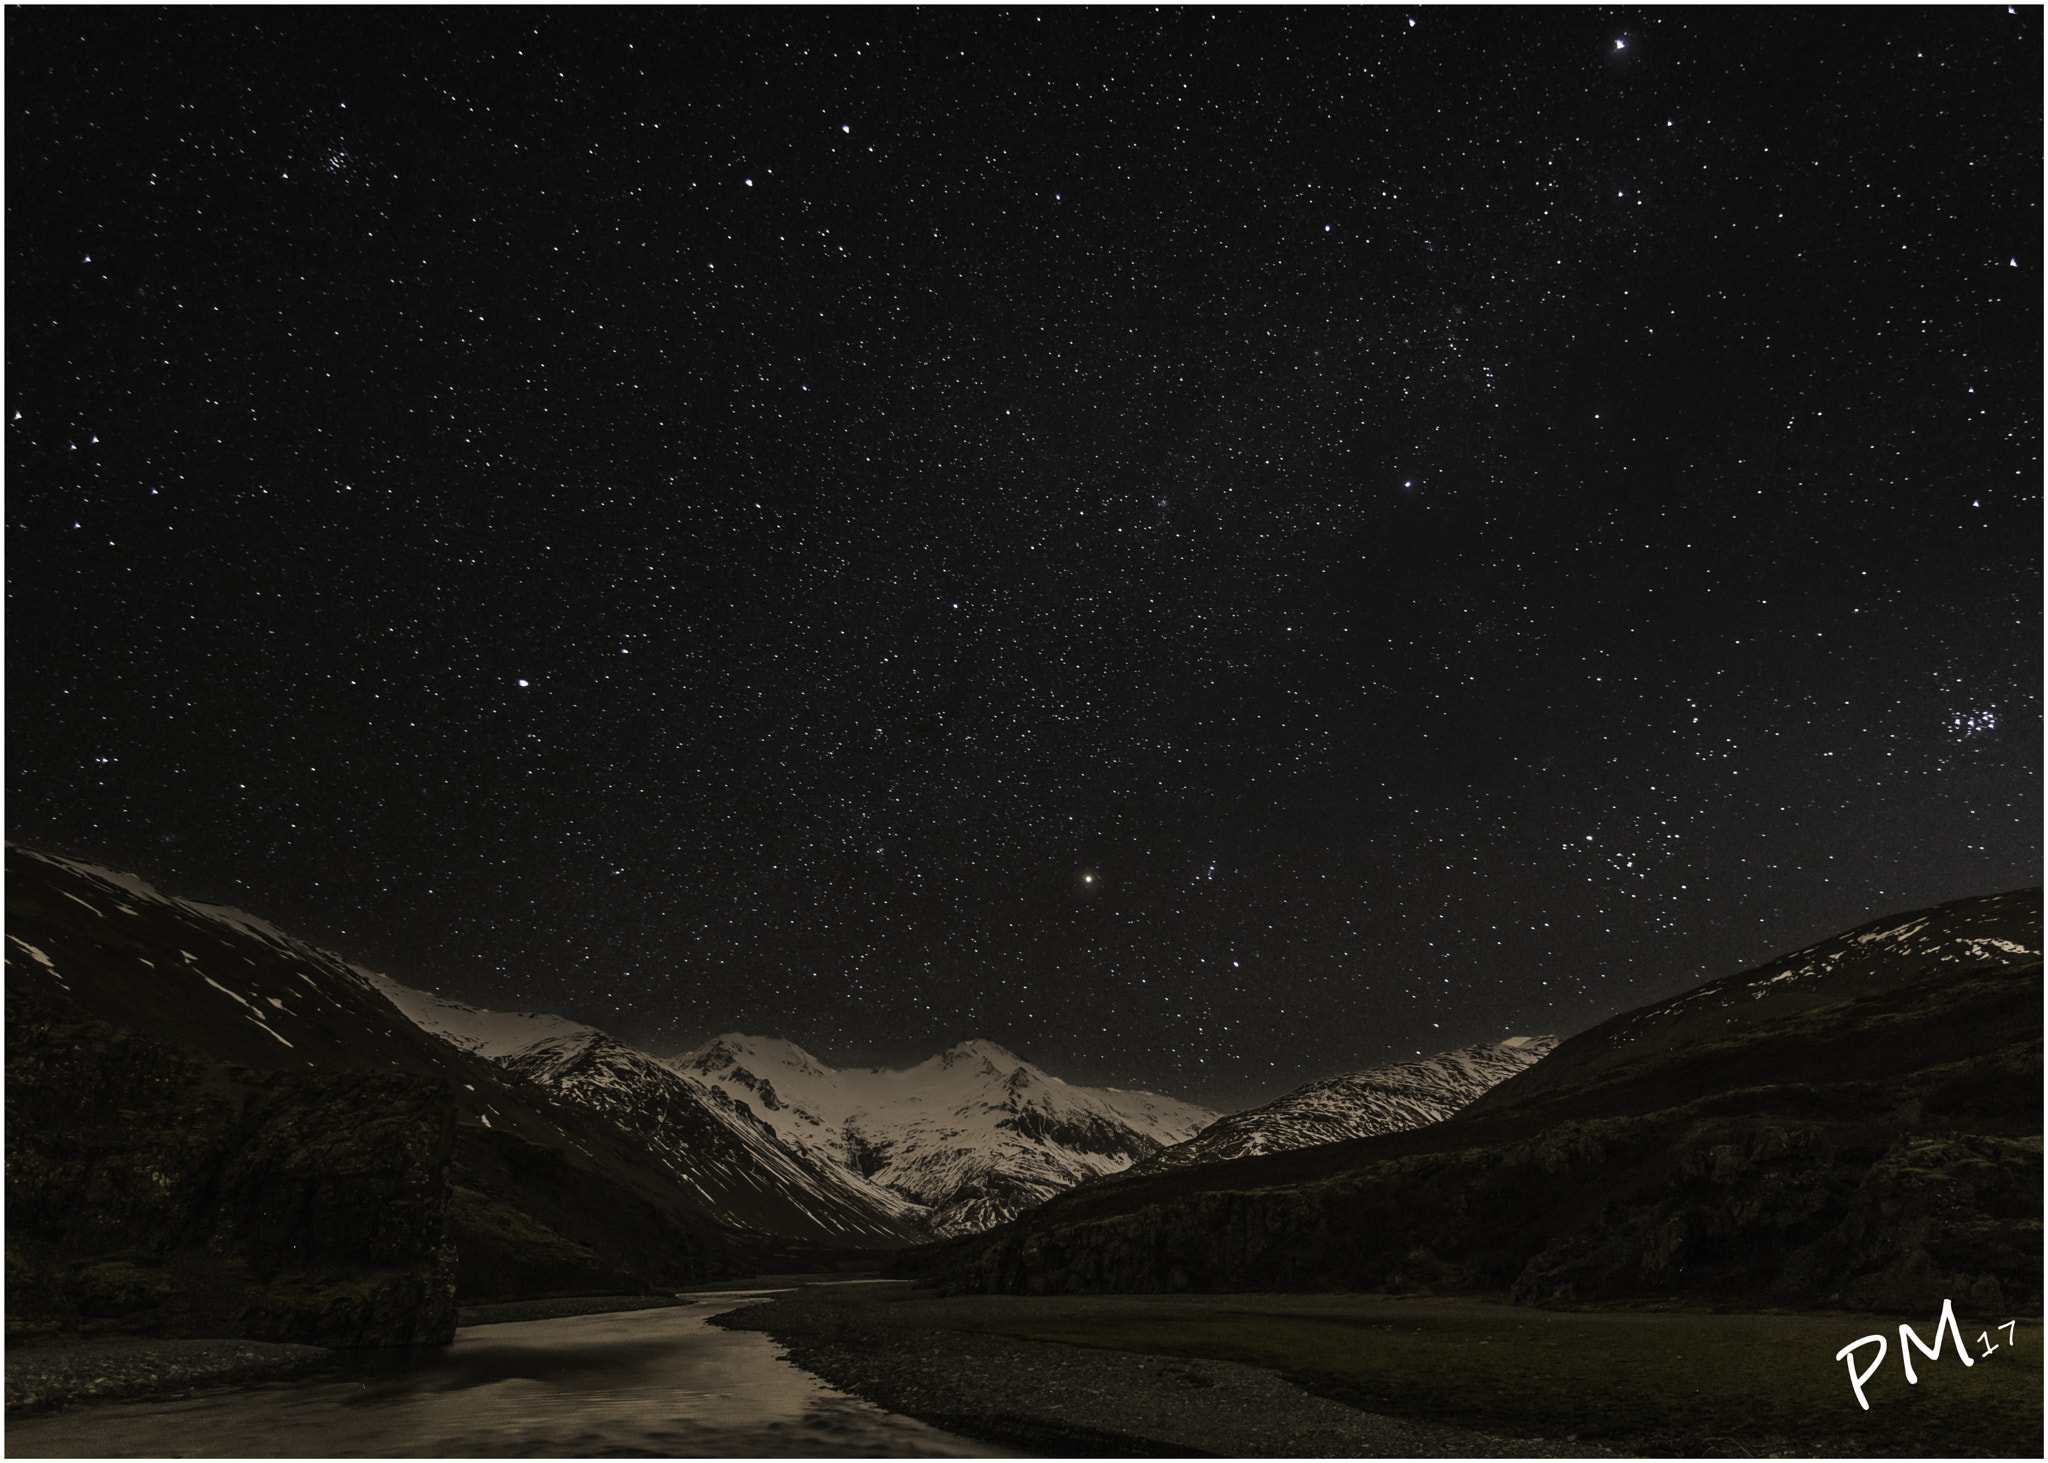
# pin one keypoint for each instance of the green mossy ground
(1630, 1378)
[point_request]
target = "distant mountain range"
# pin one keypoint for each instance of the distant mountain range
(957, 1143)
(1386, 1099)
(750, 1133)
(736, 1167)
(339, 1156)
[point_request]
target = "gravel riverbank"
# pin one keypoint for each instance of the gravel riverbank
(100, 1371)
(1069, 1401)
(64, 1373)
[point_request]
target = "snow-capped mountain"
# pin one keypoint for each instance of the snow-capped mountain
(951, 1146)
(715, 1146)
(1387, 1099)
(1985, 932)
(972, 1136)
(749, 1133)
(675, 1117)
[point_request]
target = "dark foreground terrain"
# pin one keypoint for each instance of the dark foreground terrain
(1261, 1375)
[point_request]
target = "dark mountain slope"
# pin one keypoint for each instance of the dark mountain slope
(147, 1191)
(546, 1196)
(1880, 1150)
(1986, 932)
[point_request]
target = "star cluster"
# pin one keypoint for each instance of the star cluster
(1209, 549)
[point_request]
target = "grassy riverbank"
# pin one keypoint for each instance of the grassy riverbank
(1618, 1376)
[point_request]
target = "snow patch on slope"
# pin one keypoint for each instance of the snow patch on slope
(1921, 940)
(478, 1029)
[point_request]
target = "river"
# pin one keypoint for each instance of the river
(653, 1383)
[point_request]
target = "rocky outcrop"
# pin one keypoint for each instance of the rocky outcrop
(152, 1193)
(1876, 1153)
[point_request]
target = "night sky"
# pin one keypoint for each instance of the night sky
(1209, 548)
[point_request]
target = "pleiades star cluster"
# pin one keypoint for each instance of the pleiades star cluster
(1211, 548)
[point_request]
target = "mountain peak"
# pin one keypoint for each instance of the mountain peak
(987, 1050)
(968, 1136)
(737, 1045)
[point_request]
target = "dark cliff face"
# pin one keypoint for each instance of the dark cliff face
(153, 1193)
(1880, 1152)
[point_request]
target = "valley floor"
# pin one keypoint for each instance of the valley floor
(1372, 1376)
(946, 1363)
(1248, 1376)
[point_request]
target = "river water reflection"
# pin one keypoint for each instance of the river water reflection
(654, 1383)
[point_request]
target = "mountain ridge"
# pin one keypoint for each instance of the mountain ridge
(973, 1134)
(1985, 930)
(957, 1142)
(1389, 1098)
